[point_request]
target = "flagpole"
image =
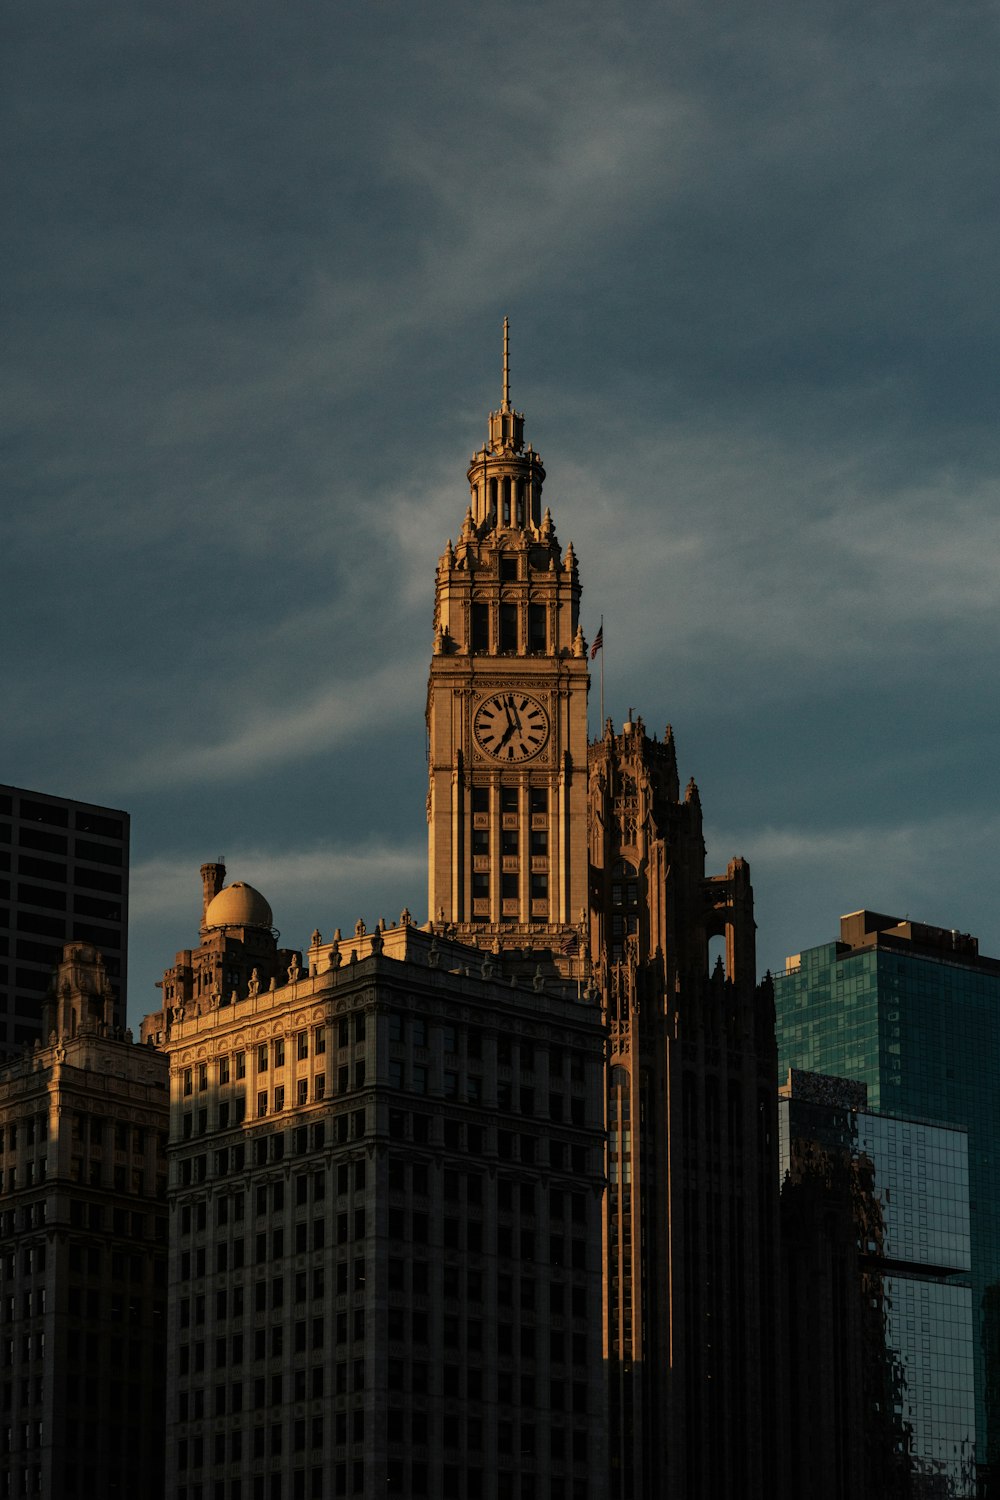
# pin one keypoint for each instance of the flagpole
(601, 735)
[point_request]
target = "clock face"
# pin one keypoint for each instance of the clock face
(510, 727)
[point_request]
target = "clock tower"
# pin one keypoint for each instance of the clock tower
(507, 714)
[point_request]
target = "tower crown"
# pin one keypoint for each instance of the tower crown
(506, 478)
(506, 425)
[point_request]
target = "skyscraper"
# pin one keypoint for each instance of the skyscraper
(878, 1308)
(691, 1260)
(541, 844)
(913, 1011)
(63, 878)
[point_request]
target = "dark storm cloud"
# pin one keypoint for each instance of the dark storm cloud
(256, 259)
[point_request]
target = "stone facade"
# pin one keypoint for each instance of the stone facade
(589, 857)
(507, 714)
(692, 1251)
(386, 1191)
(83, 1251)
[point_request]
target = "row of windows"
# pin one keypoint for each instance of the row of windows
(268, 1343)
(403, 1478)
(508, 798)
(457, 1135)
(508, 629)
(270, 1147)
(510, 885)
(271, 1055)
(56, 900)
(538, 841)
(262, 1442)
(231, 1302)
(56, 816)
(345, 1278)
(50, 869)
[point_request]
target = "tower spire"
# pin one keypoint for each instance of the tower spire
(506, 366)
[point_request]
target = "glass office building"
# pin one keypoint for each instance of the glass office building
(908, 1255)
(914, 1012)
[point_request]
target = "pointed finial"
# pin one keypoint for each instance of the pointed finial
(506, 366)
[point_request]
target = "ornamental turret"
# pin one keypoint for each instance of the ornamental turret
(505, 477)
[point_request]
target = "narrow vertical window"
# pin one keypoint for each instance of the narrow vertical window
(480, 623)
(508, 629)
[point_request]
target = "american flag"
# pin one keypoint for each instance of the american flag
(598, 643)
(571, 943)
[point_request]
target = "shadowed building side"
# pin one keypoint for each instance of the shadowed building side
(691, 1256)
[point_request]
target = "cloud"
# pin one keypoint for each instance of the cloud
(807, 876)
(169, 887)
(275, 734)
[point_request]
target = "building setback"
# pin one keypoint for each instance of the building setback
(386, 1182)
(83, 1251)
(913, 1011)
(63, 878)
(878, 1308)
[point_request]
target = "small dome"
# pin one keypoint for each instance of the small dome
(239, 905)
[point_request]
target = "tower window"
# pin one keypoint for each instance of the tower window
(508, 887)
(509, 841)
(538, 798)
(480, 841)
(508, 569)
(480, 799)
(480, 623)
(508, 799)
(539, 841)
(508, 629)
(539, 887)
(481, 885)
(536, 629)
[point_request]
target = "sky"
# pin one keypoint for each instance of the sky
(256, 261)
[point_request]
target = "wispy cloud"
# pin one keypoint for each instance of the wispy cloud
(279, 734)
(168, 888)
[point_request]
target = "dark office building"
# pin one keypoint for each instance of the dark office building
(63, 878)
(913, 1011)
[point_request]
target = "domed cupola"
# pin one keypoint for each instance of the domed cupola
(239, 905)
